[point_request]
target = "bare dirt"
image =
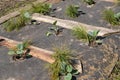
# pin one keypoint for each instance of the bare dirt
(8, 5)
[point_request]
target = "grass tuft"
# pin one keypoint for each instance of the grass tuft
(109, 16)
(72, 11)
(89, 2)
(15, 23)
(90, 37)
(61, 56)
(80, 33)
(42, 8)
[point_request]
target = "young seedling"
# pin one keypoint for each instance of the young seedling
(27, 14)
(90, 37)
(111, 17)
(89, 2)
(62, 66)
(54, 30)
(20, 51)
(72, 11)
(16, 23)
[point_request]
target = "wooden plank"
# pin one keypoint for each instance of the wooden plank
(109, 0)
(71, 24)
(8, 16)
(40, 53)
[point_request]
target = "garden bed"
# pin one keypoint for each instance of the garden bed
(8, 5)
(92, 15)
(97, 62)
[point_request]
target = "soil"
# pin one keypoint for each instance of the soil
(8, 5)
(97, 61)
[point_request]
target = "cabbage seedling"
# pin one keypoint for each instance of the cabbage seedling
(20, 51)
(90, 37)
(54, 30)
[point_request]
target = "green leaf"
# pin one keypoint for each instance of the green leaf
(11, 52)
(27, 15)
(19, 52)
(76, 6)
(54, 23)
(68, 76)
(95, 32)
(117, 15)
(63, 65)
(50, 6)
(63, 68)
(99, 41)
(52, 28)
(48, 33)
(90, 33)
(20, 46)
(34, 23)
(69, 68)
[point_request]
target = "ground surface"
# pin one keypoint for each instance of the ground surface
(7, 5)
(30, 69)
(89, 15)
(97, 62)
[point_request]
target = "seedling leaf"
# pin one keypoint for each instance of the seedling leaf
(68, 76)
(27, 14)
(48, 33)
(69, 68)
(19, 52)
(93, 33)
(99, 41)
(11, 52)
(117, 15)
(50, 6)
(20, 46)
(54, 23)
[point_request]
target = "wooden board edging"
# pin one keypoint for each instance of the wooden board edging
(110, 0)
(40, 53)
(69, 24)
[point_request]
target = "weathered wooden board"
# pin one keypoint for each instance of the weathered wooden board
(34, 51)
(71, 24)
